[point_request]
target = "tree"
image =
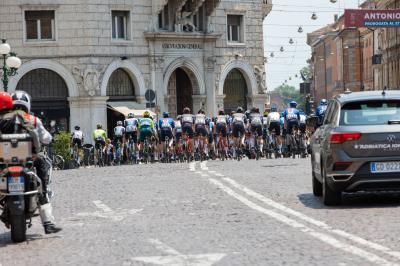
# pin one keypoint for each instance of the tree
(289, 93)
(305, 73)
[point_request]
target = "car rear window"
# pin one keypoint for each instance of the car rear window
(370, 112)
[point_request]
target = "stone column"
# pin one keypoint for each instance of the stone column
(219, 101)
(199, 101)
(87, 112)
(157, 80)
(259, 101)
(209, 76)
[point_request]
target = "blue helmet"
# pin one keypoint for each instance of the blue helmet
(293, 104)
(274, 109)
(165, 115)
(323, 102)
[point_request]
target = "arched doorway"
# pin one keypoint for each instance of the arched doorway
(180, 90)
(120, 89)
(235, 89)
(49, 94)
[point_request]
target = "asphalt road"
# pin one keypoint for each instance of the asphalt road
(214, 213)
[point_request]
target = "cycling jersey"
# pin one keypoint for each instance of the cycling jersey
(274, 117)
(187, 119)
(222, 120)
(166, 124)
(321, 109)
(291, 114)
(256, 119)
(303, 119)
(99, 134)
(119, 131)
(131, 125)
(239, 118)
(178, 126)
(146, 123)
(77, 134)
(200, 119)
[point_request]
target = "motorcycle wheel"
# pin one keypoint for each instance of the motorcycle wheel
(18, 228)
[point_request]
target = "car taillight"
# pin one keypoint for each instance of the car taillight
(341, 137)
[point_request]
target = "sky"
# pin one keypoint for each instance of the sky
(283, 23)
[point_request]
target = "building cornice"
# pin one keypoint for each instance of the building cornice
(152, 36)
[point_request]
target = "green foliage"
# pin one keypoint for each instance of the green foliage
(306, 74)
(289, 93)
(62, 145)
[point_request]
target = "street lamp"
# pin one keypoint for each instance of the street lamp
(10, 62)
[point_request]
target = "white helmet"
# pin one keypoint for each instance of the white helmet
(22, 100)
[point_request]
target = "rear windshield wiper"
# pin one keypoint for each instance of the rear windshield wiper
(394, 122)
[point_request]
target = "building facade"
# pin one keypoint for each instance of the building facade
(85, 59)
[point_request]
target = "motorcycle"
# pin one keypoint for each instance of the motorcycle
(20, 187)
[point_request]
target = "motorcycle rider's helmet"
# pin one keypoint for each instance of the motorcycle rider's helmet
(146, 114)
(131, 115)
(165, 114)
(186, 110)
(293, 104)
(6, 102)
(77, 127)
(21, 100)
(323, 102)
(239, 110)
(119, 123)
(99, 126)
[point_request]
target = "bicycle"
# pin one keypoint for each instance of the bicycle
(148, 151)
(131, 151)
(200, 153)
(118, 153)
(99, 154)
(76, 156)
(255, 150)
(56, 161)
(166, 151)
(187, 147)
(221, 147)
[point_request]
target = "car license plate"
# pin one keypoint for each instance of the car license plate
(16, 184)
(385, 167)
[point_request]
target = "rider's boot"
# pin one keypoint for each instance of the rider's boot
(46, 215)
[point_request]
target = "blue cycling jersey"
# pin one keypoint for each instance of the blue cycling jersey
(166, 123)
(291, 114)
(321, 109)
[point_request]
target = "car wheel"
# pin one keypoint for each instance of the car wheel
(316, 185)
(329, 196)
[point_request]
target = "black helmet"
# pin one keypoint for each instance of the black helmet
(239, 110)
(77, 127)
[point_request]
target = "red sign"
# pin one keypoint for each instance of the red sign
(365, 18)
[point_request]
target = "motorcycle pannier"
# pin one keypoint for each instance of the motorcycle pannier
(15, 148)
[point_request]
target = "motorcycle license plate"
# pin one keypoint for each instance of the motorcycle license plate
(16, 184)
(385, 167)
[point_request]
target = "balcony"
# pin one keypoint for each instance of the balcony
(266, 7)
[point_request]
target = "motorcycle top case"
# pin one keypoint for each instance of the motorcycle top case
(15, 148)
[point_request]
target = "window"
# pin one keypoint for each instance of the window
(235, 28)
(120, 25)
(163, 18)
(198, 19)
(375, 112)
(40, 25)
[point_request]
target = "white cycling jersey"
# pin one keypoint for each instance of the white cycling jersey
(274, 117)
(221, 119)
(77, 134)
(238, 118)
(200, 119)
(119, 131)
(131, 125)
(303, 119)
(178, 126)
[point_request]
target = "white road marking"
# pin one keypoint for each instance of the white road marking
(371, 257)
(107, 213)
(175, 258)
(203, 166)
(313, 221)
(219, 175)
(192, 166)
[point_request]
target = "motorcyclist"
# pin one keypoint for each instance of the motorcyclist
(21, 108)
(321, 109)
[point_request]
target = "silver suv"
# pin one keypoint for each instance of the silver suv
(358, 146)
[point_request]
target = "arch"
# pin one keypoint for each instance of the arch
(191, 70)
(133, 71)
(50, 65)
(247, 72)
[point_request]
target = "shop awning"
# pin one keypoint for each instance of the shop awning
(125, 108)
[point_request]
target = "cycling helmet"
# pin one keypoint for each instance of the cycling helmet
(131, 115)
(293, 104)
(21, 100)
(221, 112)
(247, 113)
(254, 110)
(265, 113)
(239, 110)
(257, 110)
(201, 111)
(6, 101)
(274, 109)
(146, 114)
(165, 114)
(323, 102)
(186, 110)
(119, 123)
(77, 127)
(99, 126)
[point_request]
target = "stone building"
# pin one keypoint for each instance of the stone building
(83, 60)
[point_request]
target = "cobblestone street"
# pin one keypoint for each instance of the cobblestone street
(210, 213)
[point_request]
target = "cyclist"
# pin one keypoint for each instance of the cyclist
(166, 126)
(255, 124)
(131, 127)
(77, 137)
(274, 124)
(119, 132)
(292, 117)
(99, 137)
(187, 121)
(200, 126)
(221, 122)
(146, 130)
(238, 127)
(302, 122)
(321, 109)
